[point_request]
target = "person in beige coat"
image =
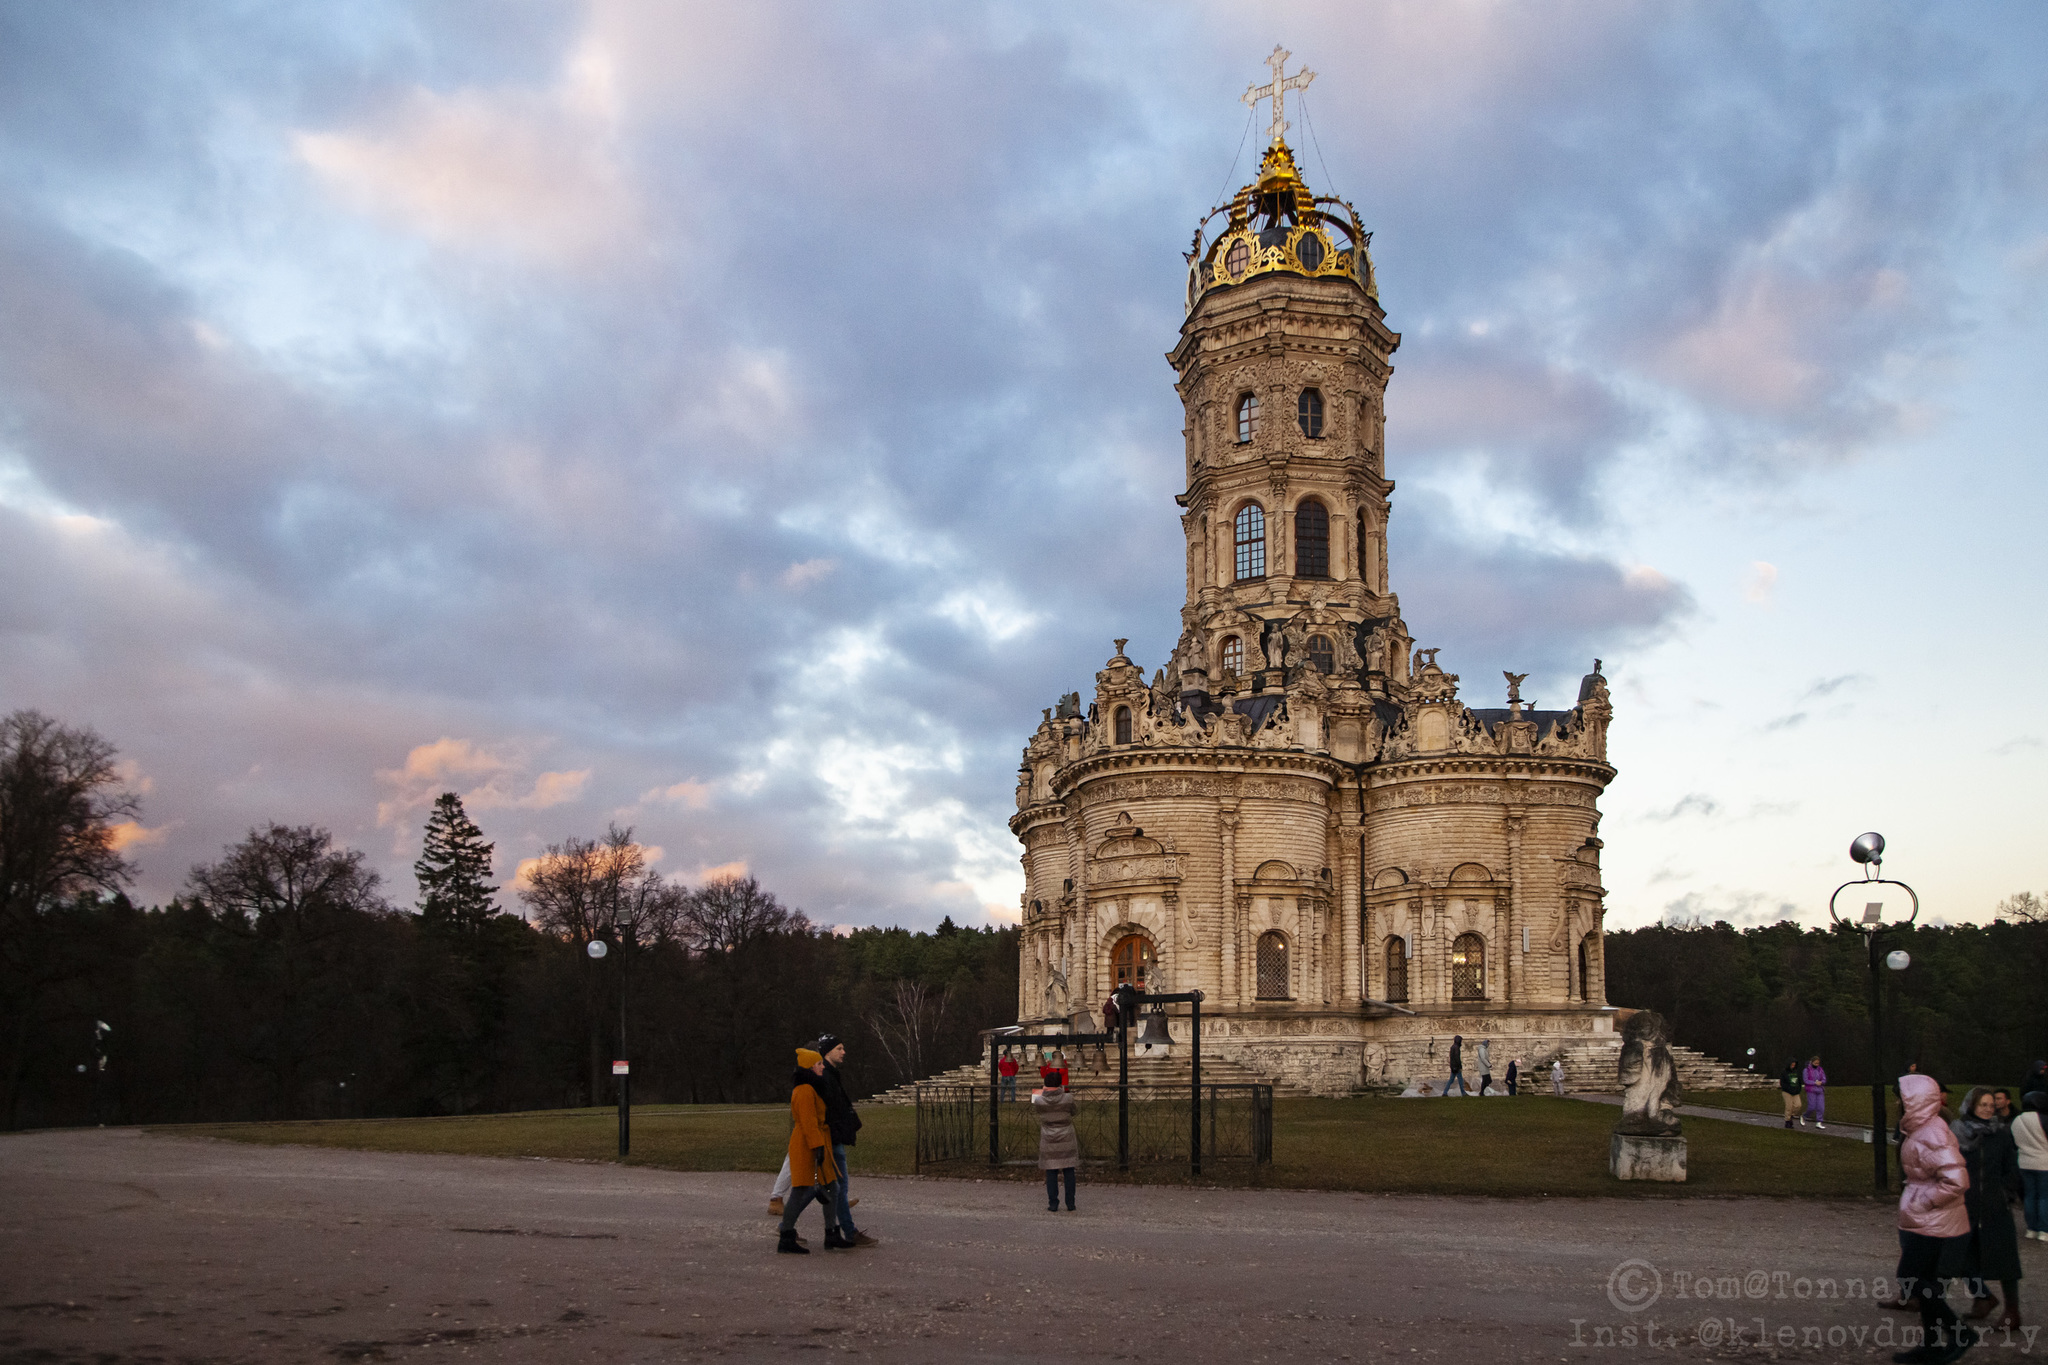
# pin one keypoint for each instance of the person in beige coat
(1932, 1214)
(1059, 1147)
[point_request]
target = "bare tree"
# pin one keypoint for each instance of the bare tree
(58, 808)
(908, 1021)
(2024, 906)
(293, 895)
(578, 887)
(59, 805)
(727, 913)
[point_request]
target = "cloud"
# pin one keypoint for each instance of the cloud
(533, 171)
(528, 381)
(730, 871)
(2018, 744)
(130, 834)
(1692, 804)
(809, 572)
(495, 781)
(1827, 687)
(1742, 909)
(1761, 584)
(1791, 721)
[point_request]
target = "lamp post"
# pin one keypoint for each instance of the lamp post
(1868, 850)
(622, 1066)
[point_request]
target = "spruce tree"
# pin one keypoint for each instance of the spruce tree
(454, 870)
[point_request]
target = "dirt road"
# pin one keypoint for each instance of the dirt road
(117, 1247)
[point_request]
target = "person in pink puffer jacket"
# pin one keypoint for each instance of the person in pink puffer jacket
(1931, 1213)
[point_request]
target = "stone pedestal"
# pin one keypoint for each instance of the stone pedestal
(1646, 1158)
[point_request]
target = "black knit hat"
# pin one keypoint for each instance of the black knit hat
(826, 1042)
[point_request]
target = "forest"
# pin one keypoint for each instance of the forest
(285, 982)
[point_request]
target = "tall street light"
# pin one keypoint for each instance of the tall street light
(1868, 850)
(622, 1066)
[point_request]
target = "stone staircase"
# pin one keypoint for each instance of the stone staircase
(1589, 1068)
(1170, 1072)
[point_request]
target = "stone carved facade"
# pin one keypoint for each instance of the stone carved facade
(1297, 814)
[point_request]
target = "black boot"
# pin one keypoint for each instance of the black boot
(835, 1240)
(790, 1244)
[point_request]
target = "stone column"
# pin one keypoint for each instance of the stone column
(1514, 964)
(1350, 850)
(1081, 979)
(1228, 900)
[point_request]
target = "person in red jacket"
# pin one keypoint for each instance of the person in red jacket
(1006, 1067)
(1932, 1214)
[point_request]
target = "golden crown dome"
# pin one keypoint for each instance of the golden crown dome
(1278, 226)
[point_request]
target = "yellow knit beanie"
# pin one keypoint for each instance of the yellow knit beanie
(806, 1058)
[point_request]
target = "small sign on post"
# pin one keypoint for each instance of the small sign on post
(622, 1068)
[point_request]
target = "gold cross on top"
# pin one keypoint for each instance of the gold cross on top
(1277, 89)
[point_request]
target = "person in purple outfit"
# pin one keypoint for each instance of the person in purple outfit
(1814, 1081)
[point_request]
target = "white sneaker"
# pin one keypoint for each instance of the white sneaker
(1819, 1124)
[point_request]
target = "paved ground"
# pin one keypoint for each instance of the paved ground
(117, 1248)
(1855, 1132)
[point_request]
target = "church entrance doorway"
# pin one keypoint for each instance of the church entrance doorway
(1131, 962)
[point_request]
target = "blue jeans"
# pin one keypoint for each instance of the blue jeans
(845, 1210)
(1009, 1091)
(1459, 1077)
(2034, 1199)
(1052, 1187)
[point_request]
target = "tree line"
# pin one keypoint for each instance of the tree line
(282, 982)
(1969, 1008)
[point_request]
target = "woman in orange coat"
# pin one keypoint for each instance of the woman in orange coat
(811, 1172)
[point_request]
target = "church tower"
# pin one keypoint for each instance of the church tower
(1293, 815)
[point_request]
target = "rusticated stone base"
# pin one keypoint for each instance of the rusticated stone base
(1646, 1158)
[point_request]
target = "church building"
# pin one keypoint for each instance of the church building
(1298, 815)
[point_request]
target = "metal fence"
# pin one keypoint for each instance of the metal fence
(953, 1130)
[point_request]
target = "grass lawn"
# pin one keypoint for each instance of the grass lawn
(1535, 1145)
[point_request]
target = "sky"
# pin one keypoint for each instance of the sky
(738, 422)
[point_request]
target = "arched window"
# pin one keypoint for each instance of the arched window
(1272, 965)
(1468, 967)
(1123, 725)
(1311, 540)
(1397, 970)
(1322, 653)
(1131, 961)
(1233, 655)
(1247, 417)
(1251, 542)
(1309, 412)
(1585, 977)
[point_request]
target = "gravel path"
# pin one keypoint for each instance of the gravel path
(117, 1247)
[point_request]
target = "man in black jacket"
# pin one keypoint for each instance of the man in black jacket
(844, 1123)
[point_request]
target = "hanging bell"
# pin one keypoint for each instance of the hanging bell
(1155, 1034)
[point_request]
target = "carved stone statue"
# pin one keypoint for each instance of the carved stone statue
(1275, 649)
(1514, 685)
(1649, 1078)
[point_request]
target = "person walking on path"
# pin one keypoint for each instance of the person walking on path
(1790, 1086)
(1485, 1066)
(778, 1194)
(1557, 1076)
(812, 1174)
(1932, 1213)
(1991, 1251)
(845, 1126)
(2030, 1143)
(1457, 1067)
(1006, 1068)
(1059, 1147)
(1514, 1074)
(1814, 1081)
